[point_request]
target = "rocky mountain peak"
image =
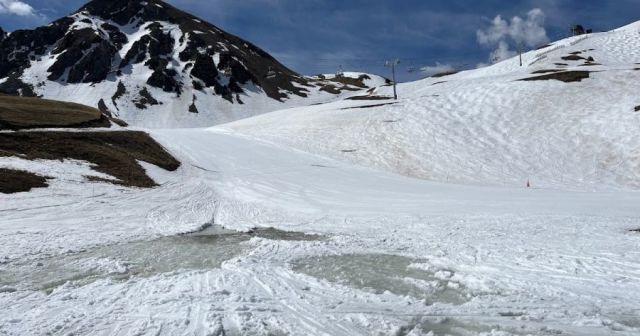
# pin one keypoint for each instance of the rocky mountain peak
(129, 56)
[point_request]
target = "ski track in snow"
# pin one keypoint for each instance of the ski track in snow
(539, 261)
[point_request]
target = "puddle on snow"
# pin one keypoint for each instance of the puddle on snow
(199, 251)
(446, 326)
(379, 273)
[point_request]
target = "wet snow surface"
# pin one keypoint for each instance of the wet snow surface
(201, 251)
(317, 246)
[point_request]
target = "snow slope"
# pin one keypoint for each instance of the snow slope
(527, 261)
(485, 126)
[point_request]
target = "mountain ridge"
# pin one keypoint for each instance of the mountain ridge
(134, 57)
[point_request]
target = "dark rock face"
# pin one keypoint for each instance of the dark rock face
(15, 86)
(120, 91)
(103, 108)
(15, 49)
(193, 108)
(205, 70)
(85, 54)
(145, 100)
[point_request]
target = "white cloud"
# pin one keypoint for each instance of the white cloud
(528, 32)
(16, 7)
(436, 69)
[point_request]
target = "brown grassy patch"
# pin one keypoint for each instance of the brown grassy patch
(15, 181)
(357, 82)
(565, 76)
(367, 106)
(27, 113)
(446, 73)
(113, 153)
(330, 89)
(368, 98)
(573, 58)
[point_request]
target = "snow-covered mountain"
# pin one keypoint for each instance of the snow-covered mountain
(567, 118)
(154, 65)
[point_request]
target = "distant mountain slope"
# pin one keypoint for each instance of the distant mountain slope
(567, 119)
(151, 64)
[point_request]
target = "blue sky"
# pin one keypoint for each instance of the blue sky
(319, 36)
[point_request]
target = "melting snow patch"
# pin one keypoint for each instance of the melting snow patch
(380, 273)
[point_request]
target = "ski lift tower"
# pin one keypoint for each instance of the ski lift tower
(392, 64)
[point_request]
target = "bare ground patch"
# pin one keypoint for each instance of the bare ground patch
(573, 58)
(368, 106)
(444, 74)
(369, 98)
(15, 181)
(112, 153)
(27, 113)
(565, 76)
(545, 71)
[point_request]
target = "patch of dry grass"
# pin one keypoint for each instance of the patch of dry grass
(565, 76)
(28, 113)
(372, 97)
(444, 74)
(113, 153)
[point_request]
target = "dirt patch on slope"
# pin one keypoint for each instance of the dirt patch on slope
(112, 153)
(15, 181)
(369, 98)
(368, 106)
(545, 71)
(565, 76)
(573, 58)
(444, 74)
(27, 113)
(357, 82)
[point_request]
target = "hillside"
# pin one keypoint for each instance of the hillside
(28, 113)
(153, 65)
(567, 119)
